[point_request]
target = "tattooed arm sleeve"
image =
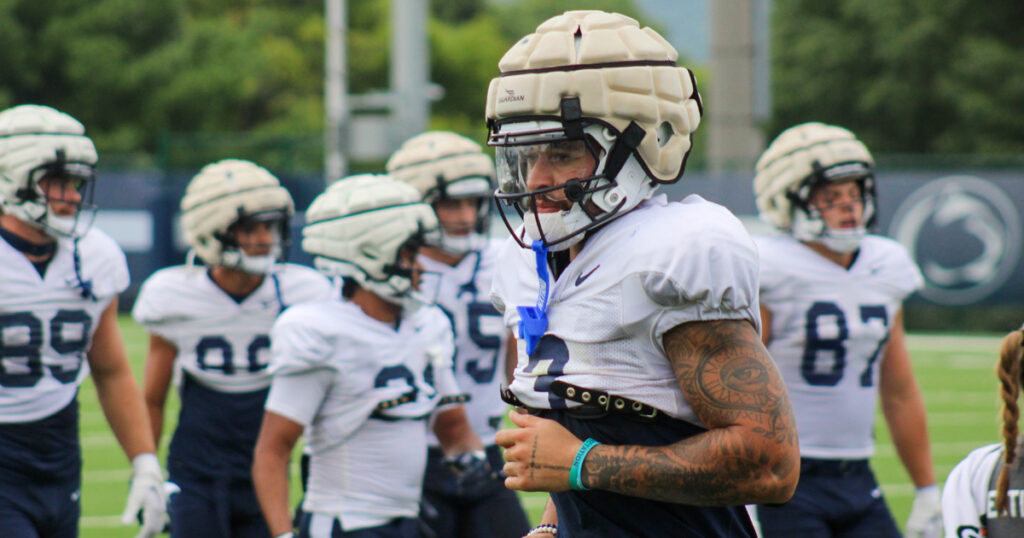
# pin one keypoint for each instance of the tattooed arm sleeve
(749, 453)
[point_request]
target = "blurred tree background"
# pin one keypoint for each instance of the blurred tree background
(909, 76)
(246, 76)
(243, 77)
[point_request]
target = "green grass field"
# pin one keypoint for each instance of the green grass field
(955, 374)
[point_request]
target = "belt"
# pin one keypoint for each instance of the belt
(833, 467)
(596, 403)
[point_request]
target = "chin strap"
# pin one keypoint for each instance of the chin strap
(533, 320)
(84, 286)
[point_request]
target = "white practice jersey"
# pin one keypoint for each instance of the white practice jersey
(480, 335)
(967, 496)
(222, 343)
(829, 328)
(46, 325)
(659, 266)
(333, 366)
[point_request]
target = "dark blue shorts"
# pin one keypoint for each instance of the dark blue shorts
(40, 476)
(316, 525)
(216, 509)
(599, 514)
(40, 510)
(838, 498)
(490, 510)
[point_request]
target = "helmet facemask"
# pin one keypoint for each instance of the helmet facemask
(807, 222)
(444, 166)
(234, 256)
(594, 196)
(408, 275)
(369, 228)
(477, 189)
(58, 184)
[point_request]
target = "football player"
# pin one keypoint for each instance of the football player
(650, 407)
(209, 329)
(363, 376)
(831, 297)
(984, 493)
(58, 321)
(456, 178)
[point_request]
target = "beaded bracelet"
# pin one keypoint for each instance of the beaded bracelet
(575, 478)
(544, 528)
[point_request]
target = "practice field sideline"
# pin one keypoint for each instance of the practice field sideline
(956, 374)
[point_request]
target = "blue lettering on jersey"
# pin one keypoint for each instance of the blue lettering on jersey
(836, 345)
(550, 348)
(31, 370)
(227, 366)
(490, 344)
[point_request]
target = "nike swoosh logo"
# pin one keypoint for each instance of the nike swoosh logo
(581, 278)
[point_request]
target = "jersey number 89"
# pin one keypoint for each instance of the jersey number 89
(21, 347)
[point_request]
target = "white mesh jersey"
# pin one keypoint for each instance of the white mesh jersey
(480, 335)
(659, 266)
(829, 327)
(332, 366)
(46, 325)
(969, 496)
(223, 344)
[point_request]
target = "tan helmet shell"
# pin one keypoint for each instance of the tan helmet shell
(620, 72)
(794, 156)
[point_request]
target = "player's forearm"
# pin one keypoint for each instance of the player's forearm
(454, 432)
(156, 421)
(908, 426)
(550, 514)
(270, 479)
(122, 404)
(720, 467)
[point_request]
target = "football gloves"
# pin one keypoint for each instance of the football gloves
(925, 519)
(147, 495)
(473, 473)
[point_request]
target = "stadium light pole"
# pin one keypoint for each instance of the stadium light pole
(410, 68)
(740, 100)
(335, 92)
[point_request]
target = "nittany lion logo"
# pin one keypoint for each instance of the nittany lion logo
(965, 235)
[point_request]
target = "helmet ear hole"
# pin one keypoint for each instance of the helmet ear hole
(665, 133)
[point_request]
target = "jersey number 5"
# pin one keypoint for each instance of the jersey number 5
(835, 346)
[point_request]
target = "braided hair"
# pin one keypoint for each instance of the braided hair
(1010, 374)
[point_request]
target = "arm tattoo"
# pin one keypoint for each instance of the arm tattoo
(748, 454)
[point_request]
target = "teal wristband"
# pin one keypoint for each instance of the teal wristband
(575, 480)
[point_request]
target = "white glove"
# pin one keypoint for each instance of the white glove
(925, 519)
(147, 493)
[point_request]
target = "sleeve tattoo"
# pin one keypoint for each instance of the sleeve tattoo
(749, 453)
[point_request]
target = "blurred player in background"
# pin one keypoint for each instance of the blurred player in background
(984, 493)
(58, 321)
(653, 407)
(831, 304)
(456, 178)
(363, 375)
(209, 331)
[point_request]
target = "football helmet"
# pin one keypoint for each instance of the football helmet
(359, 227)
(599, 78)
(232, 194)
(39, 142)
(444, 165)
(802, 158)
